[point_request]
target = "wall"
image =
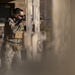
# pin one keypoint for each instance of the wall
(73, 36)
(57, 50)
(59, 57)
(61, 24)
(61, 33)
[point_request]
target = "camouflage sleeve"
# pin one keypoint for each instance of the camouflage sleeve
(13, 25)
(21, 26)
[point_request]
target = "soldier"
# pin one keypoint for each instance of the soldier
(12, 45)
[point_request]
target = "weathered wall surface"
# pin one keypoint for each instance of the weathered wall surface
(73, 36)
(61, 25)
(61, 34)
(59, 54)
(47, 24)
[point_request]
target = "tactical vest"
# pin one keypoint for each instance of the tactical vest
(8, 32)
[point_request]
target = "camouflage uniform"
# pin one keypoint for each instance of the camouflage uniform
(11, 47)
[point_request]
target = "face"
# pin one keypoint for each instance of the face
(21, 15)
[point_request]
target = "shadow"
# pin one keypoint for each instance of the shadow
(6, 1)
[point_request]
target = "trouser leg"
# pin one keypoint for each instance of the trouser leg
(16, 65)
(17, 58)
(7, 55)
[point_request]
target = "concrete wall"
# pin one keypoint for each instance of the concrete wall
(61, 25)
(73, 36)
(58, 53)
(59, 57)
(61, 33)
